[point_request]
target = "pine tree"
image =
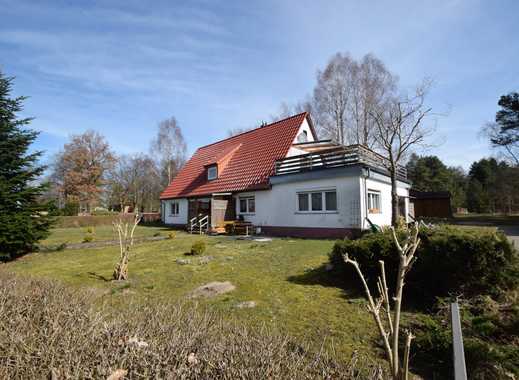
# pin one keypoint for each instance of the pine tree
(23, 219)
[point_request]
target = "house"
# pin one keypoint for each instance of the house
(285, 182)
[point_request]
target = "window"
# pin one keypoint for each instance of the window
(374, 201)
(175, 208)
(303, 201)
(247, 205)
(302, 137)
(212, 173)
(317, 201)
(331, 200)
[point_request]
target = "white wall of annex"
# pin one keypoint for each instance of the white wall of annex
(384, 217)
(278, 206)
(181, 218)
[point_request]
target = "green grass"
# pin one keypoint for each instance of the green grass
(496, 219)
(286, 278)
(101, 233)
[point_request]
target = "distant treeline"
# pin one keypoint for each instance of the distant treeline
(490, 186)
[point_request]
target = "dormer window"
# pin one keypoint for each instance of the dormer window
(212, 173)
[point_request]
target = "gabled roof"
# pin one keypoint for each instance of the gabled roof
(248, 161)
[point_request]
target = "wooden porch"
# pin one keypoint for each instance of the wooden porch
(215, 215)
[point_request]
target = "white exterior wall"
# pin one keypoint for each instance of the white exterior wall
(304, 127)
(384, 217)
(181, 218)
(278, 207)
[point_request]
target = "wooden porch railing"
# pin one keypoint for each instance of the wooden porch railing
(332, 158)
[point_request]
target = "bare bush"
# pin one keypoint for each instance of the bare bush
(49, 331)
(380, 308)
(125, 234)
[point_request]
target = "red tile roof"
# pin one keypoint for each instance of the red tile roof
(249, 156)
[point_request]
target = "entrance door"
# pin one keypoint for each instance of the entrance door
(218, 209)
(198, 207)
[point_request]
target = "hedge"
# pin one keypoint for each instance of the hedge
(450, 261)
(90, 220)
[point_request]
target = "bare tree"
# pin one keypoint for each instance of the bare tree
(332, 95)
(125, 233)
(346, 93)
(390, 330)
(170, 147)
(399, 127)
(135, 181)
(372, 86)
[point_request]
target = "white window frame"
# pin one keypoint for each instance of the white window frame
(174, 208)
(247, 199)
(211, 169)
(370, 195)
(323, 201)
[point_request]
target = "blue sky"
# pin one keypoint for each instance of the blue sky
(120, 67)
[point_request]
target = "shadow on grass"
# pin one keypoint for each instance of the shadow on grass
(347, 282)
(99, 277)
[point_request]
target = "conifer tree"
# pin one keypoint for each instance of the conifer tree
(23, 219)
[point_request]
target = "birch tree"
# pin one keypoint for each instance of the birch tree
(346, 93)
(400, 126)
(332, 96)
(170, 147)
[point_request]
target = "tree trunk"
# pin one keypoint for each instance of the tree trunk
(394, 198)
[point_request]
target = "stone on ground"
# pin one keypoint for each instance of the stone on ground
(183, 261)
(205, 259)
(213, 289)
(246, 305)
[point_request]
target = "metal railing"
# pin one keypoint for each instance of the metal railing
(200, 223)
(333, 158)
(203, 223)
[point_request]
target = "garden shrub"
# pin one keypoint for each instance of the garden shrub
(172, 235)
(90, 230)
(197, 248)
(450, 260)
(88, 238)
(481, 265)
(490, 335)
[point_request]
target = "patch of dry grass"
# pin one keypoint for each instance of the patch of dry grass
(49, 330)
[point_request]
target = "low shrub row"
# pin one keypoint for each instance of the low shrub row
(52, 332)
(91, 220)
(450, 261)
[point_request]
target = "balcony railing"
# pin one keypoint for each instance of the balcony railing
(333, 158)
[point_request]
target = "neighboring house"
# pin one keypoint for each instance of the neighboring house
(285, 182)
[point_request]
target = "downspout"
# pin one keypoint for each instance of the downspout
(365, 197)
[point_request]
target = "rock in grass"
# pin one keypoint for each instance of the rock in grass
(183, 261)
(205, 259)
(246, 305)
(213, 289)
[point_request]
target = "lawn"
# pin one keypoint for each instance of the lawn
(285, 277)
